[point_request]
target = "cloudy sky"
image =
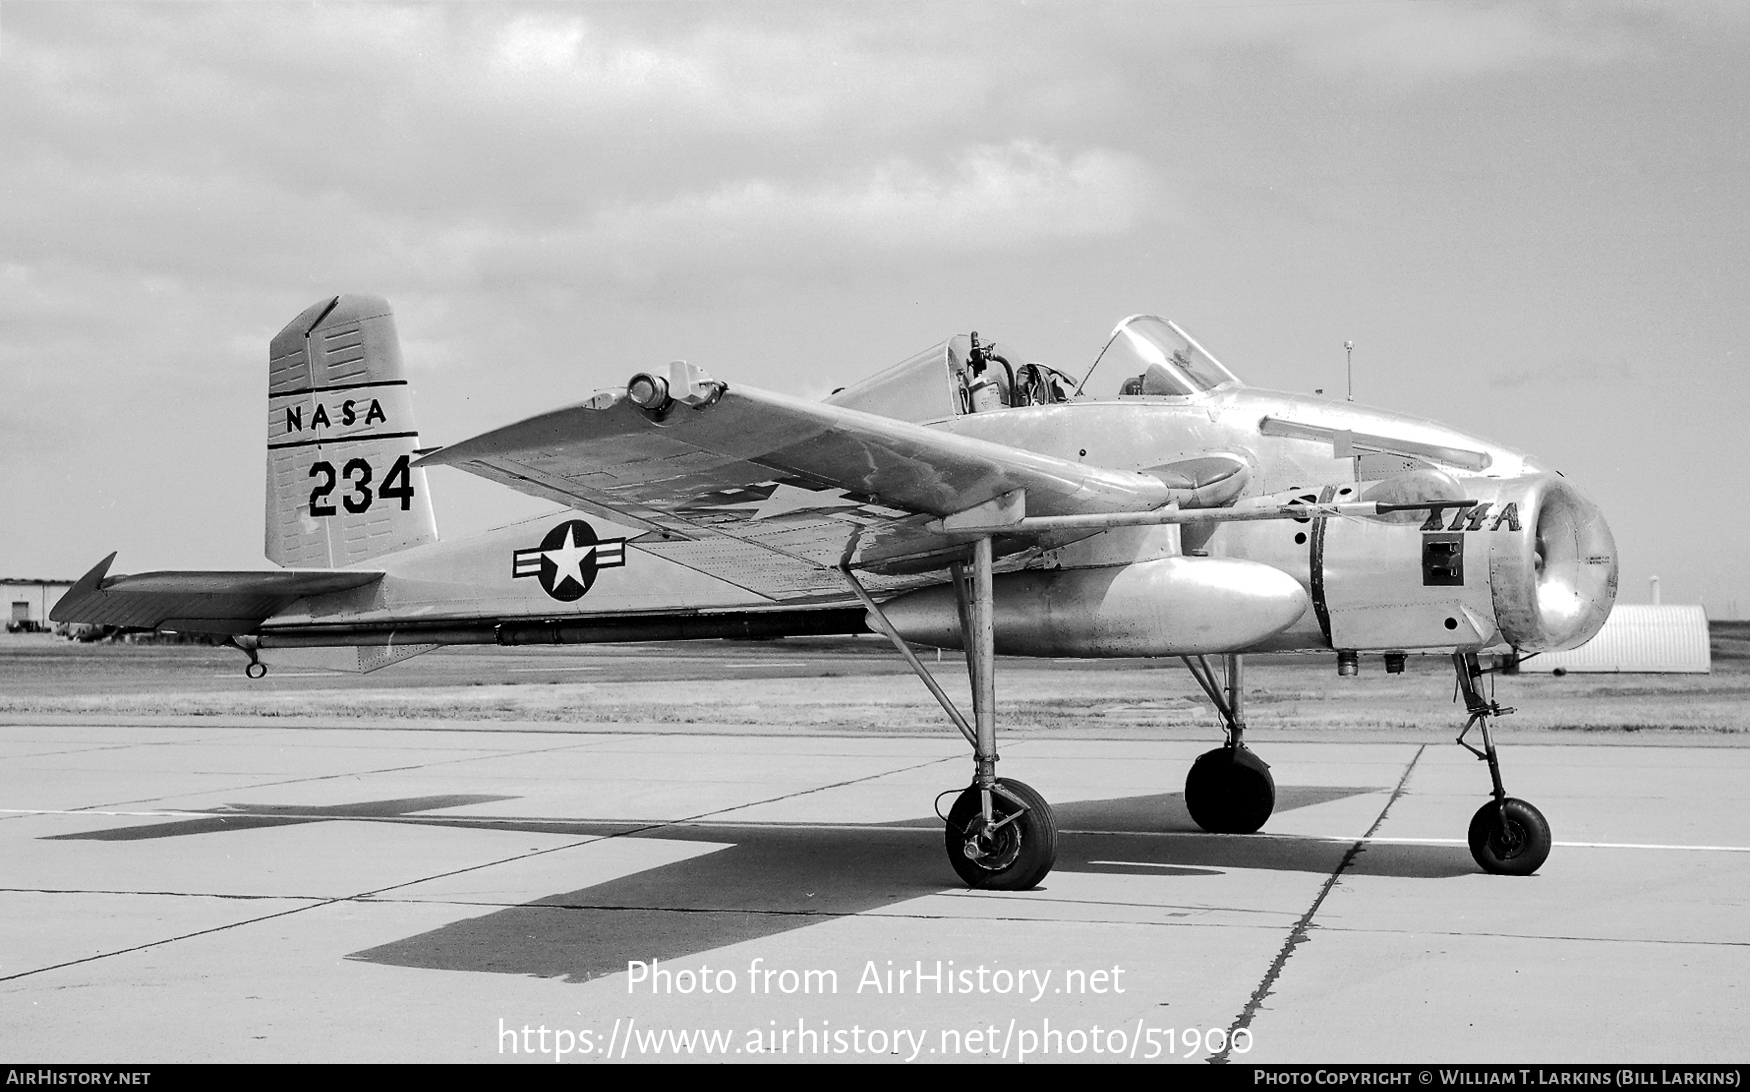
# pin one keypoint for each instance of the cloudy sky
(1533, 219)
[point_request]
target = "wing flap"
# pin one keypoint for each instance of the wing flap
(200, 602)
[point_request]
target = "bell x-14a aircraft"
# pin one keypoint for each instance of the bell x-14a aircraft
(967, 498)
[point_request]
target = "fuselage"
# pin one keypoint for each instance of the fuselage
(1513, 556)
(1359, 584)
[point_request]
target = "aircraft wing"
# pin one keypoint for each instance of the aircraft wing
(196, 602)
(744, 477)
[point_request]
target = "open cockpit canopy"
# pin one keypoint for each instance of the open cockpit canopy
(1148, 355)
(1145, 356)
(965, 374)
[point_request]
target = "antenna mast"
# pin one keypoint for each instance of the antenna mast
(1349, 356)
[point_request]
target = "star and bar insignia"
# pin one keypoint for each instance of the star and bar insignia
(566, 561)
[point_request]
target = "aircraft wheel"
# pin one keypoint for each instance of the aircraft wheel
(1014, 858)
(1518, 847)
(1230, 791)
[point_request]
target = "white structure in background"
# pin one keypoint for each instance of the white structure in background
(1639, 637)
(27, 602)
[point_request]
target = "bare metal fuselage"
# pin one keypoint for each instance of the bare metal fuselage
(1529, 566)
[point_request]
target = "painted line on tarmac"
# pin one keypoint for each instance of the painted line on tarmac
(1639, 845)
(1333, 838)
(1172, 911)
(490, 820)
(1563, 845)
(124, 814)
(1346, 839)
(821, 915)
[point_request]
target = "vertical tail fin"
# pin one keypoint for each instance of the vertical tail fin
(341, 488)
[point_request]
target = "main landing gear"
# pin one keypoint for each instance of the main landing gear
(1000, 833)
(1507, 836)
(1229, 790)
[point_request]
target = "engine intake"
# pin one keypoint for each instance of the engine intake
(1555, 581)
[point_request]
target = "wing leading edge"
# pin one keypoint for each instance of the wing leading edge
(810, 481)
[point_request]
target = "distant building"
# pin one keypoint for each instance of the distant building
(27, 602)
(1638, 637)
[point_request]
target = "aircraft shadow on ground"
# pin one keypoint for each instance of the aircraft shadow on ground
(771, 879)
(257, 816)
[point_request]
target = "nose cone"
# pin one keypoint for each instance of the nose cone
(1555, 589)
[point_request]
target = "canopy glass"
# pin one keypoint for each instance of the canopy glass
(1148, 355)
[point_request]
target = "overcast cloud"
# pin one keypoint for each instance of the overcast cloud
(1528, 216)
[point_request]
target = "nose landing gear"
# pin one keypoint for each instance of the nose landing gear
(1508, 836)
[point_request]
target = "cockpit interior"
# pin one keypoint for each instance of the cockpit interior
(988, 380)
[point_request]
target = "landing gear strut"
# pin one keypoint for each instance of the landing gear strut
(1508, 836)
(249, 646)
(1229, 790)
(1000, 833)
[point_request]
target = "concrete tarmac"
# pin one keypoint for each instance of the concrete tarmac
(253, 892)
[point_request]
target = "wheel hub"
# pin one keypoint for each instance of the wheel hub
(994, 851)
(1509, 839)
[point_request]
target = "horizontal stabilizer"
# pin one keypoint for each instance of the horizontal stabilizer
(195, 602)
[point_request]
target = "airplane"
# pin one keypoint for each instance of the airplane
(968, 497)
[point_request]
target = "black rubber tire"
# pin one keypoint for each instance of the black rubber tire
(1021, 853)
(1230, 791)
(1520, 849)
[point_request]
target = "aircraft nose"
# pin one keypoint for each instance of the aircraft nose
(1555, 582)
